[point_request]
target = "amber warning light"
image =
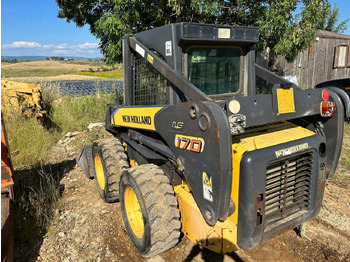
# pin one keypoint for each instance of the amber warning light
(327, 109)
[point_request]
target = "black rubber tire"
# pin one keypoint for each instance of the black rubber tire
(114, 162)
(159, 207)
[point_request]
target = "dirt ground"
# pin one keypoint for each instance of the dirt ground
(87, 229)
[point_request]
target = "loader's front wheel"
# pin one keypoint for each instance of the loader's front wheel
(110, 161)
(150, 210)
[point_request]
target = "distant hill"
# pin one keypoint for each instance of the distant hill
(43, 57)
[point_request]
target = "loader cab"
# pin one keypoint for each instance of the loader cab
(219, 60)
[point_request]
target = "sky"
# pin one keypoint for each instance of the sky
(32, 28)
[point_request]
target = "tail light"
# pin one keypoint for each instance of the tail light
(328, 109)
(325, 94)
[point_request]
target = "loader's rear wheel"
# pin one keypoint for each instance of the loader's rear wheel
(150, 210)
(110, 161)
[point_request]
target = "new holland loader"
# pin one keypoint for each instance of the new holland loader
(210, 144)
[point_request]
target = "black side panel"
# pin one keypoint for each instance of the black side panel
(333, 131)
(263, 109)
(163, 41)
(128, 76)
(208, 127)
(253, 228)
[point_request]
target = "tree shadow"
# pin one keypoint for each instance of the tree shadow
(210, 256)
(36, 197)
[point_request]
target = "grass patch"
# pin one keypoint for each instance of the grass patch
(342, 175)
(345, 156)
(13, 72)
(36, 206)
(38, 198)
(105, 74)
(75, 114)
(29, 142)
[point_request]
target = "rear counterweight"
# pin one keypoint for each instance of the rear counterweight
(280, 187)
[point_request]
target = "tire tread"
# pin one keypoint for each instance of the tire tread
(116, 162)
(162, 208)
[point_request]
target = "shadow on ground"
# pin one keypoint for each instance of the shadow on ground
(210, 256)
(36, 198)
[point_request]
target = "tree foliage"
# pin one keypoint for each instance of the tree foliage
(330, 21)
(286, 26)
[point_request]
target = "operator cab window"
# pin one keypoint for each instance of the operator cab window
(214, 71)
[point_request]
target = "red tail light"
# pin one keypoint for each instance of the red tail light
(325, 94)
(328, 109)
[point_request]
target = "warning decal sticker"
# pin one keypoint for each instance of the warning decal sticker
(207, 187)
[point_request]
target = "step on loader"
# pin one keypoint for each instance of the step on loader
(210, 144)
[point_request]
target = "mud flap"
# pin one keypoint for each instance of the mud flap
(85, 161)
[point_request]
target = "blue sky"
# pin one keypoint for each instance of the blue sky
(31, 27)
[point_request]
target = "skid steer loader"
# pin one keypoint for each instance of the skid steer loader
(210, 144)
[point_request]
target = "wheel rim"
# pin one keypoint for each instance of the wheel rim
(133, 211)
(99, 172)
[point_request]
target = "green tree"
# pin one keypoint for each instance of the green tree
(330, 21)
(282, 29)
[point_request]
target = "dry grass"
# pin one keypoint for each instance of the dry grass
(342, 175)
(345, 155)
(44, 64)
(40, 68)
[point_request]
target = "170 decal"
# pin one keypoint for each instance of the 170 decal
(194, 144)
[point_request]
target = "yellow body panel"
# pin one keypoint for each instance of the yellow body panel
(222, 237)
(274, 137)
(136, 117)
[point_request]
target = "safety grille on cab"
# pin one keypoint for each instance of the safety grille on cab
(288, 188)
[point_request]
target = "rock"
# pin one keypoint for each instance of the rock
(61, 234)
(71, 134)
(96, 125)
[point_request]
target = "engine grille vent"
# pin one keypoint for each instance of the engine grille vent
(288, 188)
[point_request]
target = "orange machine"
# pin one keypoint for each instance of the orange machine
(6, 200)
